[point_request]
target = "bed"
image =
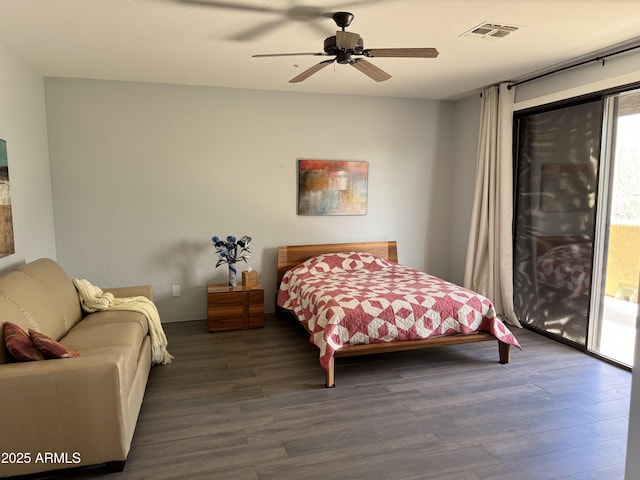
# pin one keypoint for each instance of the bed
(355, 299)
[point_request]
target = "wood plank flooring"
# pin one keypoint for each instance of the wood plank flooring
(252, 405)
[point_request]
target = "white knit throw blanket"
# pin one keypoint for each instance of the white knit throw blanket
(93, 299)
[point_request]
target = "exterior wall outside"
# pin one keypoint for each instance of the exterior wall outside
(623, 269)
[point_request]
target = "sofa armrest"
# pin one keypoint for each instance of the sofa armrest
(73, 407)
(133, 291)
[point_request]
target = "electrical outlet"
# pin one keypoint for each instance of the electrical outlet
(176, 290)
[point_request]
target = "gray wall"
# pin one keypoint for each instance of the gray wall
(463, 169)
(23, 127)
(144, 174)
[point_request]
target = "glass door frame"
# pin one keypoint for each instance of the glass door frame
(602, 223)
(597, 321)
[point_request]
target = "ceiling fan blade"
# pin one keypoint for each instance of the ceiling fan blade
(301, 13)
(347, 40)
(297, 13)
(401, 52)
(316, 54)
(310, 71)
(258, 31)
(230, 5)
(370, 70)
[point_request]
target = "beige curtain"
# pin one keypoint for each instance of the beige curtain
(489, 265)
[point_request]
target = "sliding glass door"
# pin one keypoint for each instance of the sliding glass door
(557, 155)
(577, 222)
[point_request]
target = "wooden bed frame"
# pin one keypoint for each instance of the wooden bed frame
(290, 256)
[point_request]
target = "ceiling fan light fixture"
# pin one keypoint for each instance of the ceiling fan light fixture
(343, 57)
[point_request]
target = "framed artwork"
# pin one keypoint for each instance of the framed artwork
(6, 220)
(332, 187)
(567, 187)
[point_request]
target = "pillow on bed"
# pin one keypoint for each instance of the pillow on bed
(345, 262)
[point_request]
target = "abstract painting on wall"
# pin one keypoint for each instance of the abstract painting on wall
(332, 187)
(6, 219)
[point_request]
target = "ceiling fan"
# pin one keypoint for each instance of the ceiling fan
(345, 45)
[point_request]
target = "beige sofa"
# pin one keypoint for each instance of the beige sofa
(69, 412)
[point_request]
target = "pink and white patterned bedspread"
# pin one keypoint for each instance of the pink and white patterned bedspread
(356, 298)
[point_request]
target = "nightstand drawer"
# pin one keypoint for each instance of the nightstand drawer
(234, 308)
(256, 308)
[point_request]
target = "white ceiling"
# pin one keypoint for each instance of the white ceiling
(210, 42)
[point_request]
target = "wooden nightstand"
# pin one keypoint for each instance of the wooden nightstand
(234, 308)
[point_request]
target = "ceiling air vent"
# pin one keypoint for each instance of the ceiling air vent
(491, 30)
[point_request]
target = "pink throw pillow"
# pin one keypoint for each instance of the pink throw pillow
(50, 347)
(19, 344)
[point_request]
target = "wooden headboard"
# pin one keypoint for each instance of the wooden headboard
(292, 255)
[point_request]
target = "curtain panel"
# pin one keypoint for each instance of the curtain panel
(489, 262)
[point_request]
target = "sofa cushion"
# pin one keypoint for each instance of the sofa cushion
(19, 344)
(113, 317)
(49, 347)
(126, 334)
(124, 339)
(56, 292)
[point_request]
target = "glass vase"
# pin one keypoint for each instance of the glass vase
(232, 275)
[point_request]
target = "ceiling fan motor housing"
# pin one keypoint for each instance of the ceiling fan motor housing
(331, 48)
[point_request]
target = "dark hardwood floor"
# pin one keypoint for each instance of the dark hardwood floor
(252, 405)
